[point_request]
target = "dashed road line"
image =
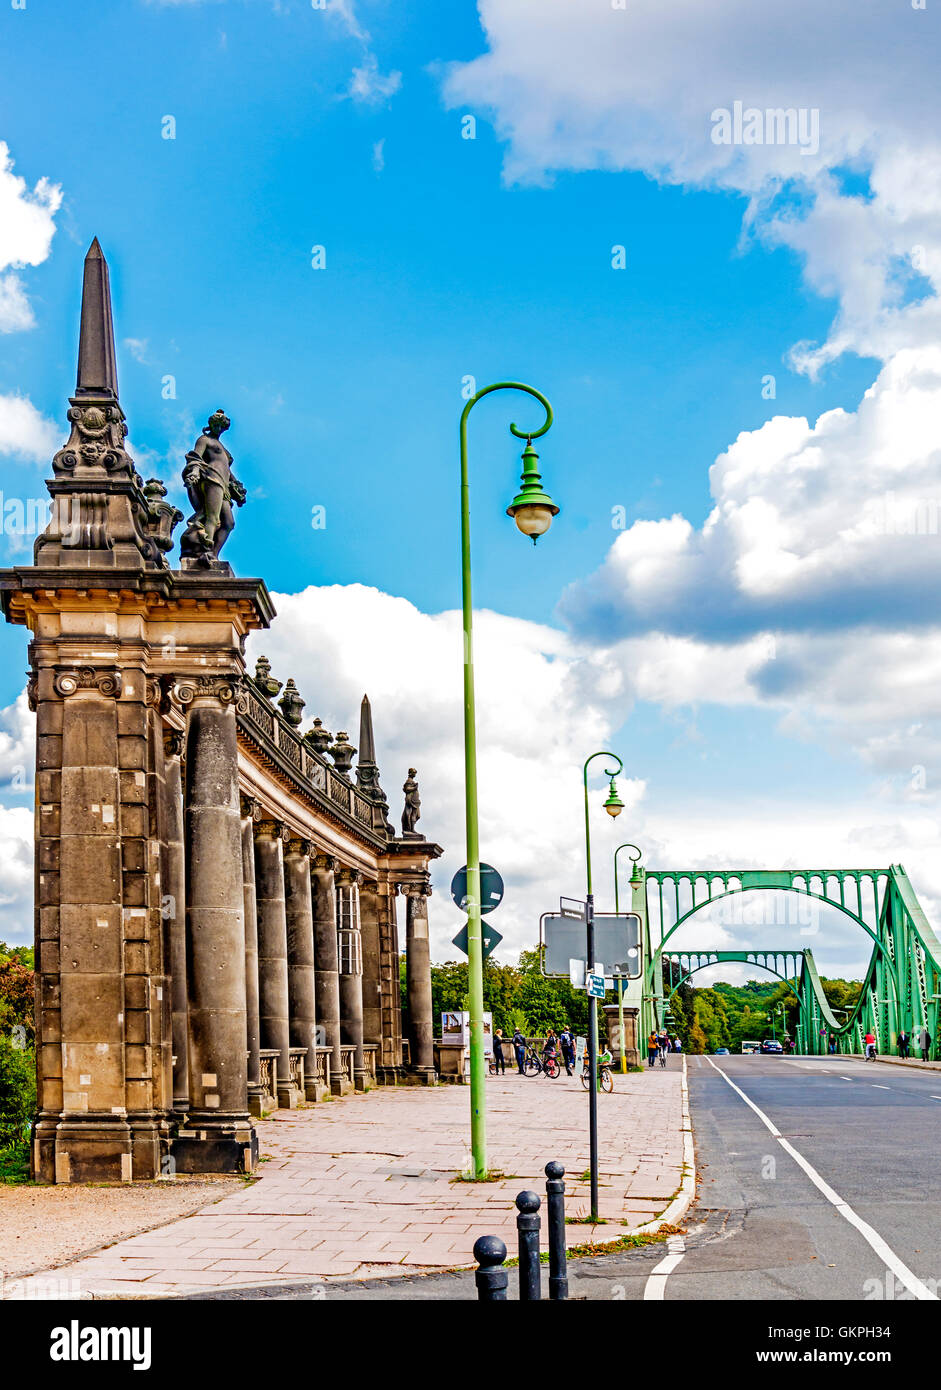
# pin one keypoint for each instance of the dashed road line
(872, 1237)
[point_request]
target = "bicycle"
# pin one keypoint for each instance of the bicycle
(534, 1065)
(605, 1076)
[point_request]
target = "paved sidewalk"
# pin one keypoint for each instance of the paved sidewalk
(365, 1187)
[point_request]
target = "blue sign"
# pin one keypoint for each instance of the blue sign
(596, 988)
(491, 889)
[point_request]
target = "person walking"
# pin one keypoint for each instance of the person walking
(498, 1056)
(831, 1045)
(924, 1042)
(653, 1047)
(904, 1042)
(677, 1045)
(567, 1044)
(519, 1047)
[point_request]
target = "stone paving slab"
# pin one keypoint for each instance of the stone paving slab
(367, 1186)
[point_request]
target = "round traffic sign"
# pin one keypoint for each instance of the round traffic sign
(491, 889)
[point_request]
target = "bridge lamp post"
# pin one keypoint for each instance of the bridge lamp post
(532, 509)
(614, 806)
(635, 858)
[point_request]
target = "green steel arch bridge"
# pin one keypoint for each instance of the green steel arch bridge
(902, 983)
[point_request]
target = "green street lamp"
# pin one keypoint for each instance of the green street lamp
(532, 510)
(614, 806)
(635, 859)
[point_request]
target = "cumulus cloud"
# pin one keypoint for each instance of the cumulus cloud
(369, 86)
(814, 526)
(27, 226)
(25, 433)
(16, 886)
(854, 191)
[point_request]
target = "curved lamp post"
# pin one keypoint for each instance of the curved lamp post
(532, 509)
(614, 806)
(635, 859)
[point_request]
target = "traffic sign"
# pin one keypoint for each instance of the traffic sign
(617, 939)
(490, 936)
(596, 986)
(491, 889)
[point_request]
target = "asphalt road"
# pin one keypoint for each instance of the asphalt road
(843, 1202)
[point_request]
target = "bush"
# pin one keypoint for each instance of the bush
(17, 1092)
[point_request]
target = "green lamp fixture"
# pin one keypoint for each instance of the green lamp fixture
(532, 509)
(614, 805)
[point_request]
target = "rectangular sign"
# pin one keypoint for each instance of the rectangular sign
(617, 943)
(596, 986)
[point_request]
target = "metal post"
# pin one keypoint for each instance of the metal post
(475, 954)
(621, 1022)
(491, 1278)
(527, 1224)
(555, 1216)
(592, 1006)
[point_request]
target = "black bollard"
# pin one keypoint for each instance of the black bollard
(491, 1277)
(527, 1224)
(555, 1219)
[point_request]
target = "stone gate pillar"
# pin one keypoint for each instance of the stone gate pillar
(350, 951)
(326, 963)
(300, 939)
(219, 1136)
(273, 954)
(418, 979)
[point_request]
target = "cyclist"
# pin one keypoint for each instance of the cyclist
(550, 1048)
(870, 1048)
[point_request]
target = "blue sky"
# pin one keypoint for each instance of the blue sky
(443, 261)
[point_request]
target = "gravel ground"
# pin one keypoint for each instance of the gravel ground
(42, 1227)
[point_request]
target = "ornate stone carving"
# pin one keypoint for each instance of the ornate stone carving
(412, 810)
(349, 876)
(212, 487)
(342, 752)
(318, 738)
(225, 689)
(173, 740)
(247, 806)
(161, 518)
(32, 689)
(264, 680)
(291, 705)
(295, 844)
(267, 827)
(325, 861)
(107, 682)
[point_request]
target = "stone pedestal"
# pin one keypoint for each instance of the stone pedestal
(273, 955)
(218, 1136)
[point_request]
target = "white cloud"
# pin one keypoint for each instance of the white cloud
(579, 87)
(25, 433)
(137, 347)
(370, 86)
(16, 888)
(17, 744)
(378, 156)
(817, 527)
(27, 227)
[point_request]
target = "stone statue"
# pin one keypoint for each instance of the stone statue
(412, 811)
(212, 487)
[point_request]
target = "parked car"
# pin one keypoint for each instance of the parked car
(771, 1045)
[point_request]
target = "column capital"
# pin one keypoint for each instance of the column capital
(324, 861)
(412, 889)
(173, 740)
(221, 688)
(247, 806)
(266, 827)
(106, 679)
(295, 844)
(348, 876)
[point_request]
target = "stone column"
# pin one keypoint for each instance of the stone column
(327, 970)
(259, 1101)
(219, 1136)
(300, 937)
(418, 979)
(173, 903)
(350, 950)
(273, 954)
(381, 1007)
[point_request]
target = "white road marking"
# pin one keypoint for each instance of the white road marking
(880, 1088)
(936, 1097)
(872, 1237)
(846, 1078)
(655, 1287)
